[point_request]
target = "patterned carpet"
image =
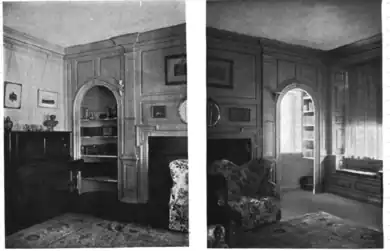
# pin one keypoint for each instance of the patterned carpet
(314, 230)
(77, 231)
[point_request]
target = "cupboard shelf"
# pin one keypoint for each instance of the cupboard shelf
(101, 179)
(99, 156)
(308, 125)
(99, 137)
(91, 120)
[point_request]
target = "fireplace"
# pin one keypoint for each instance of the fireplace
(237, 150)
(163, 150)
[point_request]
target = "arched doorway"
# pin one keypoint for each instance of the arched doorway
(297, 136)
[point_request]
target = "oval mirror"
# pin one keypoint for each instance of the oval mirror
(213, 113)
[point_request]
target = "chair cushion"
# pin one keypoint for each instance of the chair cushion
(178, 213)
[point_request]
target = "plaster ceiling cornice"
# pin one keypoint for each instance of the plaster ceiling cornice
(27, 40)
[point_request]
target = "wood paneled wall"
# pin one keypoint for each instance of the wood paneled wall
(245, 93)
(356, 78)
(138, 60)
(261, 68)
(364, 111)
(277, 74)
(356, 74)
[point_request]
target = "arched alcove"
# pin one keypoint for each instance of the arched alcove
(113, 149)
(281, 92)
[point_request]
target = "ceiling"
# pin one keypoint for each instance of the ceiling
(72, 23)
(319, 24)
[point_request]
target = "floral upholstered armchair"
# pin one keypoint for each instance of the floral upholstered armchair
(250, 191)
(178, 204)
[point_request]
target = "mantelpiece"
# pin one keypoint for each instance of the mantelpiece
(139, 180)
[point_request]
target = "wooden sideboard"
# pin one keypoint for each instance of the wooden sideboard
(36, 176)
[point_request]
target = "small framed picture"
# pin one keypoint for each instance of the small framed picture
(12, 95)
(176, 70)
(47, 99)
(220, 73)
(237, 114)
(159, 111)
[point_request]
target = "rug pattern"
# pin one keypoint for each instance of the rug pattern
(313, 230)
(78, 231)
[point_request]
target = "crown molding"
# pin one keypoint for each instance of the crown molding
(360, 46)
(132, 39)
(357, 52)
(270, 47)
(24, 40)
(232, 36)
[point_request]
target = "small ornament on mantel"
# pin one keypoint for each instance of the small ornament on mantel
(8, 124)
(50, 123)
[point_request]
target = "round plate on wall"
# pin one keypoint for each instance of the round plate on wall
(182, 110)
(213, 113)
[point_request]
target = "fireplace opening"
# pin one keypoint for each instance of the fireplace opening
(238, 151)
(163, 150)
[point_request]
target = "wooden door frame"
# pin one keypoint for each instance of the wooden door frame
(282, 90)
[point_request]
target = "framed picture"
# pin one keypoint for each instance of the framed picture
(239, 114)
(159, 111)
(12, 95)
(176, 70)
(220, 73)
(47, 99)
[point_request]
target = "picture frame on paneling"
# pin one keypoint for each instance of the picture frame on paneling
(12, 95)
(176, 69)
(220, 73)
(159, 111)
(47, 99)
(238, 114)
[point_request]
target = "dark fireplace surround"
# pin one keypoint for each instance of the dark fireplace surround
(163, 150)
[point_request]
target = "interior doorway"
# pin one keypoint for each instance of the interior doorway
(297, 140)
